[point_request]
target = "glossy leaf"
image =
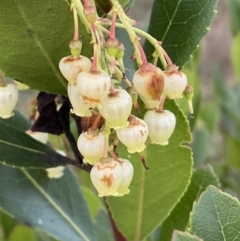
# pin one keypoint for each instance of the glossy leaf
(154, 192)
(216, 216)
(181, 236)
(55, 206)
(180, 25)
(179, 217)
(20, 150)
(35, 36)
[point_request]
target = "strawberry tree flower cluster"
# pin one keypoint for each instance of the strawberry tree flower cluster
(96, 87)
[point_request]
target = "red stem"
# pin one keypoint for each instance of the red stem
(112, 90)
(87, 3)
(113, 26)
(160, 108)
(95, 123)
(169, 61)
(95, 58)
(105, 148)
(114, 156)
(142, 53)
(76, 30)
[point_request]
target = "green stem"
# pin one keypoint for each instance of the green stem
(132, 35)
(152, 40)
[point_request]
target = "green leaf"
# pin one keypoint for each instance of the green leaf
(55, 206)
(216, 216)
(181, 236)
(179, 217)
(8, 223)
(200, 144)
(180, 25)
(34, 37)
(229, 101)
(41, 236)
(235, 51)
(233, 153)
(20, 150)
(154, 192)
(234, 12)
(103, 227)
(21, 233)
(93, 201)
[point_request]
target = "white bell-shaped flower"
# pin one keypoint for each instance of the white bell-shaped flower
(127, 175)
(93, 87)
(56, 172)
(106, 176)
(70, 67)
(116, 108)
(79, 108)
(148, 80)
(175, 82)
(38, 136)
(8, 100)
(134, 135)
(150, 104)
(91, 145)
(160, 126)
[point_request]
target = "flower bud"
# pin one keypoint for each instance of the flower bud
(91, 144)
(8, 100)
(90, 13)
(70, 67)
(120, 52)
(116, 108)
(175, 82)
(149, 81)
(127, 175)
(160, 126)
(76, 99)
(134, 135)
(106, 176)
(93, 86)
(111, 45)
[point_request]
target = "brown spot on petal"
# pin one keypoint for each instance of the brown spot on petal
(107, 180)
(155, 85)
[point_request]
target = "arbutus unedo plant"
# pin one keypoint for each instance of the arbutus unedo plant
(128, 135)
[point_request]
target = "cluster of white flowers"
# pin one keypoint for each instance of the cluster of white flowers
(92, 90)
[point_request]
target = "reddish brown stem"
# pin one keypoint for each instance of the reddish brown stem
(113, 154)
(142, 53)
(95, 123)
(160, 108)
(113, 26)
(87, 3)
(75, 20)
(169, 61)
(112, 90)
(95, 58)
